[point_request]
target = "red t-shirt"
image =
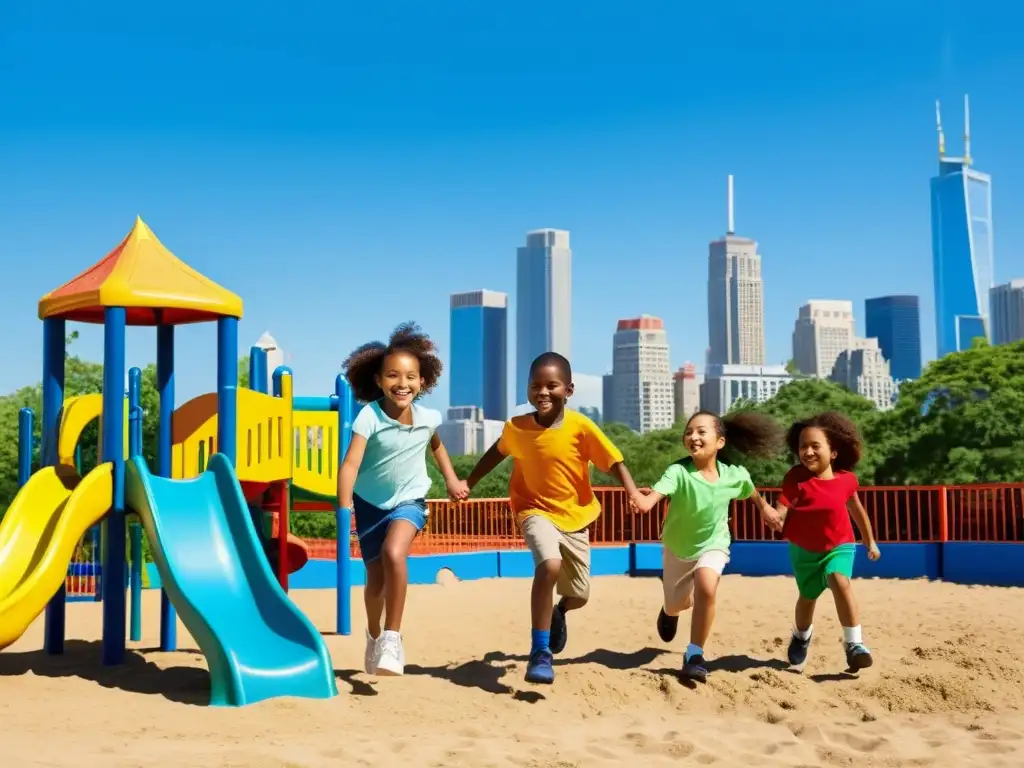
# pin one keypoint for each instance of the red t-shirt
(818, 520)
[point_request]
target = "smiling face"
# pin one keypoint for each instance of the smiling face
(701, 437)
(400, 379)
(548, 390)
(815, 451)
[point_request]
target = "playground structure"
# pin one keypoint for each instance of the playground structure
(218, 456)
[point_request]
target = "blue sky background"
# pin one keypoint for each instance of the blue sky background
(344, 167)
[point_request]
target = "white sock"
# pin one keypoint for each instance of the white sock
(852, 635)
(803, 634)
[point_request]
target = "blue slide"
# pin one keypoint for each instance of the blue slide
(257, 643)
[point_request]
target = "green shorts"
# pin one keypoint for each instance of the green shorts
(812, 569)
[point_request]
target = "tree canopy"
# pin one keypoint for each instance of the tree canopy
(961, 422)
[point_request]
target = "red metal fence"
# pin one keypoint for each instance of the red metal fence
(898, 514)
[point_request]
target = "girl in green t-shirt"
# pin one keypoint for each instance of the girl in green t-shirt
(695, 537)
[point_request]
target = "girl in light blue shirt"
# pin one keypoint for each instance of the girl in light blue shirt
(383, 479)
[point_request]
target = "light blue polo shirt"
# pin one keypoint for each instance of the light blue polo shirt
(394, 466)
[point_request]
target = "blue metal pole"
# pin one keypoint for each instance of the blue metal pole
(53, 400)
(25, 419)
(262, 385)
(165, 388)
(135, 529)
(254, 369)
(114, 322)
(343, 516)
(227, 387)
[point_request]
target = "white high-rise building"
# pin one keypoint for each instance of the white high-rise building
(863, 369)
(735, 299)
(724, 385)
(465, 431)
(543, 301)
(824, 329)
(1006, 303)
(686, 391)
(642, 379)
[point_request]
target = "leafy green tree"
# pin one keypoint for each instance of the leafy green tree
(961, 422)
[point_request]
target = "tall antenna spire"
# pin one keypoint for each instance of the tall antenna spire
(732, 228)
(967, 130)
(938, 127)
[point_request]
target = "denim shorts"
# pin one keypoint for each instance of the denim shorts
(372, 523)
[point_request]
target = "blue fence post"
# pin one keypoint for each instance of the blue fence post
(346, 406)
(135, 529)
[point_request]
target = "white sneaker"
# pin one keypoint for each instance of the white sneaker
(371, 654)
(390, 654)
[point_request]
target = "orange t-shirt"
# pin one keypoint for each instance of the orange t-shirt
(551, 468)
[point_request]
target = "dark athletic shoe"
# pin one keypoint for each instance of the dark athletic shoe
(667, 626)
(858, 657)
(797, 652)
(539, 669)
(559, 631)
(695, 669)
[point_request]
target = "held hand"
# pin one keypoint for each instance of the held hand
(458, 491)
(638, 502)
(772, 518)
(873, 552)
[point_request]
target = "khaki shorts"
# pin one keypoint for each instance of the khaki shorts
(548, 542)
(678, 576)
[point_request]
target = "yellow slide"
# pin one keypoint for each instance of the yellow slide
(38, 536)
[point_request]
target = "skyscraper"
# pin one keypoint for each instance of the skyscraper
(735, 299)
(543, 300)
(479, 355)
(642, 380)
(896, 322)
(824, 329)
(1008, 312)
(962, 248)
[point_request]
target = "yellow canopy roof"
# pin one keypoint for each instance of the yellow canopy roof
(141, 275)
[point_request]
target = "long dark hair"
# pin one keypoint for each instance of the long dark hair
(747, 432)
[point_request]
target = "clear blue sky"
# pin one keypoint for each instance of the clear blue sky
(344, 166)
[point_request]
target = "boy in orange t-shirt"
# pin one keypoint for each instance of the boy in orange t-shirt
(551, 497)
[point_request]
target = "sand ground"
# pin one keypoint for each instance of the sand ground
(947, 688)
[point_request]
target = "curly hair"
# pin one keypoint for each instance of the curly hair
(842, 434)
(747, 432)
(364, 365)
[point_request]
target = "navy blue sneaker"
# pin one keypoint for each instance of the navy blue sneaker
(858, 657)
(667, 626)
(797, 652)
(539, 669)
(559, 631)
(695, 668)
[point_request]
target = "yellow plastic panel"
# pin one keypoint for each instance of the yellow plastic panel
(264, 446)
(315, 456)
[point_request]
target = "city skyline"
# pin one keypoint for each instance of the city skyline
(336, 218)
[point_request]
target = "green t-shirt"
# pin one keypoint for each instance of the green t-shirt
(698, 511)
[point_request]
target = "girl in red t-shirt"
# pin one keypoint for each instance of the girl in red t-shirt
(819, 496)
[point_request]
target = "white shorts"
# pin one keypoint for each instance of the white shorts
(678, 574)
